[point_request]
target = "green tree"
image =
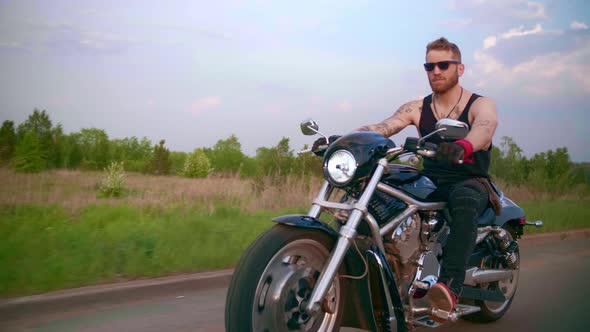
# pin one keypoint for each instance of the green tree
(28, 156)
(136, 154)
(197, 165)
(249, 167)
(508, 162)
(71, 151)
(277, 160)
(7, 142)
(178, 159)
(160, 164)
(39, 125)
(226, 155)
(56, 149)
(307, 164)
(95, 147)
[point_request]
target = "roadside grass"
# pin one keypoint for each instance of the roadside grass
(557, 215)
(44, 248)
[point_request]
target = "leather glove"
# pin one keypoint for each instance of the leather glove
(320, 145)
(449, 153)
(452, 153)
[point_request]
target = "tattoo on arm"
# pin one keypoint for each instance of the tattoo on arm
(482, 123)
(394, 123)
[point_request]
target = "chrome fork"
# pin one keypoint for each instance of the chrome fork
(347, 235)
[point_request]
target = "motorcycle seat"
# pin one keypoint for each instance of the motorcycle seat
(487, 218)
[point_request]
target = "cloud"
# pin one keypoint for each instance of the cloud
(344, 107)
(545, 76)
(578, 26)
(489, 42)
(519, 32)
(204, 105)
(499, 12)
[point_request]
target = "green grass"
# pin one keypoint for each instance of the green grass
(557, 215)
(44, 248)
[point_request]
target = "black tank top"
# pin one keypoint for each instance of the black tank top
(450, 173)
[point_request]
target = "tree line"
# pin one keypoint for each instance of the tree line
(37, 144)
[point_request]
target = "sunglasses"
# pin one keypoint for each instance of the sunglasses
(442, 65)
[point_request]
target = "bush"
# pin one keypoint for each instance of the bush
(197, 165)
(28, 156)
(112, 184)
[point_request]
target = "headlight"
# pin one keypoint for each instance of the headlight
(341, 167)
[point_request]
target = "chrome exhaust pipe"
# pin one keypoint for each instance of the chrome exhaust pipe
(476, 276)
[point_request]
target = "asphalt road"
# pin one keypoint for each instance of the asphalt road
(553, 295)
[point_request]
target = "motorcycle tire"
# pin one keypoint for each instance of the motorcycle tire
(275, 277)
(492, 311)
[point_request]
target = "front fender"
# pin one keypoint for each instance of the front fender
(304, 221)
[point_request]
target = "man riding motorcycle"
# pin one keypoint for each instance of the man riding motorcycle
(460, 169)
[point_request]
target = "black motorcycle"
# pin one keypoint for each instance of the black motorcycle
(371, 259)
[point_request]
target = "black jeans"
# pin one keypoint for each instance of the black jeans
(467, 200)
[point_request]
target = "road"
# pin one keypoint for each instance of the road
(553, 295)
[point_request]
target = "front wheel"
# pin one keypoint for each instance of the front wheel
(275, 278)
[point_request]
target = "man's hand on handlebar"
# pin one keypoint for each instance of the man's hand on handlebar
(455, 153)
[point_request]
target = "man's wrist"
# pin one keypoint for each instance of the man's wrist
(467, 149)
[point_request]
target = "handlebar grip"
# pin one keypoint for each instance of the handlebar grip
(304, 151)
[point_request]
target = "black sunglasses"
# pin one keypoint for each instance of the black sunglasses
(443, 65)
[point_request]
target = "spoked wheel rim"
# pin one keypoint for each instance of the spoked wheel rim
(286, 285)
(506, 286)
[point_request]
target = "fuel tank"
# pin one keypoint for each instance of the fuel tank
(411, 180)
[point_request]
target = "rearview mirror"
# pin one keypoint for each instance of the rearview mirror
(309, 127)
(451, 130)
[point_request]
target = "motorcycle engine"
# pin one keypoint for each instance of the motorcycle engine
(416, 235)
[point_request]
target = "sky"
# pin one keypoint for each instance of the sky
(193, 72)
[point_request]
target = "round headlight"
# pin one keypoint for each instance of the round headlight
(341, 167)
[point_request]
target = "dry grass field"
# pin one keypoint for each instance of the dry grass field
(74, 190)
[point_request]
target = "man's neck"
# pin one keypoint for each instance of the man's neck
(448, 98)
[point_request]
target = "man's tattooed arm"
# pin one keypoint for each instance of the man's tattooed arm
(485, 121)
(403, 117)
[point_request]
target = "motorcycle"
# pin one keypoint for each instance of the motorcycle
(369, 262)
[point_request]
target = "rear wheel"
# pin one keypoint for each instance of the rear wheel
(492, 311)
(274, 280)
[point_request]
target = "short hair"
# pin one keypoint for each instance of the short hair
(442, 44)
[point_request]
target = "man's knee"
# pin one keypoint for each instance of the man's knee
(468, 196)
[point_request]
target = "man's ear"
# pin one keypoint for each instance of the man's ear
(461, 69)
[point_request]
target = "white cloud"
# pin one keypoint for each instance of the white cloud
(499, 12)
(489, 42)
(344, 107)
(519, 32)
(545, 76)
(205, 104)
(578, 25)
